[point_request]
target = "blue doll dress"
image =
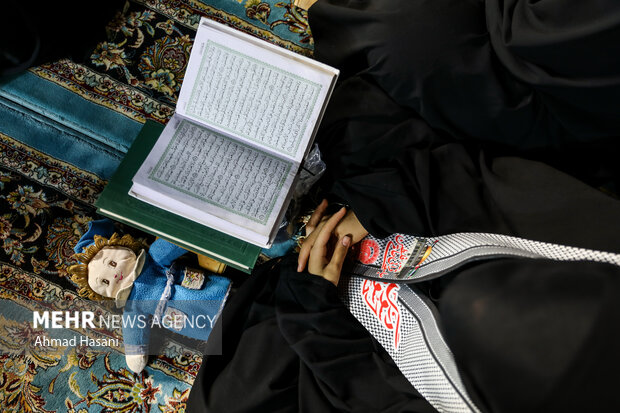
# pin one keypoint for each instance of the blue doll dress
(158, 298)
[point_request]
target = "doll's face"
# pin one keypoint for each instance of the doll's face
(110, 270)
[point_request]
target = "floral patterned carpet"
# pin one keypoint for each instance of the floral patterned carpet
(148, 51)
(44, 208)
(52, 172)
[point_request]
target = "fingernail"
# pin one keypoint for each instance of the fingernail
(346, 241)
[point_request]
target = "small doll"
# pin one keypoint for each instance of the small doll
(146, 283)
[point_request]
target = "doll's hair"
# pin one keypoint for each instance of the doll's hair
(79, 272)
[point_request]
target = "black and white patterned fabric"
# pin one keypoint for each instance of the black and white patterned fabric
(381, 294)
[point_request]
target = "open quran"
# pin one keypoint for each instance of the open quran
(246, 116)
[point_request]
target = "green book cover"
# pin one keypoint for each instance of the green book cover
(116, 203)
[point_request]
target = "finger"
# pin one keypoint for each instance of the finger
(318, 252)
(316, 216)
(306, 247)
(334, 268)
(328, 227)
(340, 251)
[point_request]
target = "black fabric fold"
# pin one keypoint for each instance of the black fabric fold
(290, 345)
(430, 131)
(536, 335)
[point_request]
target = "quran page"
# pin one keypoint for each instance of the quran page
(247, 88)
(220, 182)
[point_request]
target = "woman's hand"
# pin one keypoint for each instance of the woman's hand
(347, 225)
(326, 255)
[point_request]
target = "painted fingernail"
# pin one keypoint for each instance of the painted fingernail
(346, 241)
